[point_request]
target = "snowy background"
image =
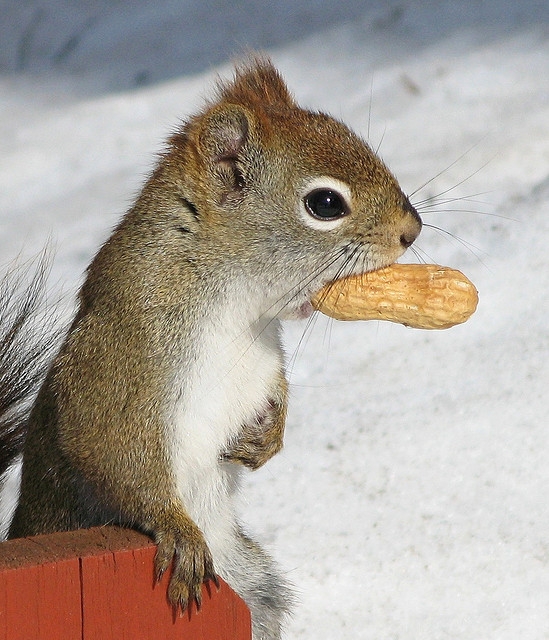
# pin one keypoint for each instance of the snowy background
(411, 500)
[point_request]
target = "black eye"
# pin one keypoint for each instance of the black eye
(325, 204)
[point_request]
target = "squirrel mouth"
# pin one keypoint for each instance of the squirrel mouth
(305, 310)
(299, 312)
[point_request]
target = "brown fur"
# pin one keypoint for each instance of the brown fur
(216, 231)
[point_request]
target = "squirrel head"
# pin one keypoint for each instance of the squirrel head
(291, 197)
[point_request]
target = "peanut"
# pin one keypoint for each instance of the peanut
(424, 296)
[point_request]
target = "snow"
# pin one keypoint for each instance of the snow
(410, 499)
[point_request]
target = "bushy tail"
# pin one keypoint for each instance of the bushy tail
(28, 336)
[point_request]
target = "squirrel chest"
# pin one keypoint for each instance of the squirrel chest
(234, 374)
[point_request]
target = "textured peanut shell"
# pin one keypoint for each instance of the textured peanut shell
(424, 296)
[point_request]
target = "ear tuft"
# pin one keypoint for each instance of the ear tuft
(256, 81)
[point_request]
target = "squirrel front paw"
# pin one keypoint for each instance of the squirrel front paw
(260, 441)
(184, 548)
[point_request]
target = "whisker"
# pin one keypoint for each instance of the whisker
(359, 254)
(471, 248)
(420, 253)
(381, 141)
(437, 207)
(437, 175)
(307, 331)
(438, 200)
(310, 278)
(417, 251)
(370, 107)
(344, 268)
(295, 291)
(354, 255)
(430, 209)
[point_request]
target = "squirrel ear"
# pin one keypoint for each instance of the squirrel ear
(223, 132)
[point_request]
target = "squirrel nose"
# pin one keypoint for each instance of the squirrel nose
(412, 225)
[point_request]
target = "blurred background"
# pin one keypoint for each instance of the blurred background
(120, 45)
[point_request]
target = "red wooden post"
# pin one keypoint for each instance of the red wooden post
(97, 584)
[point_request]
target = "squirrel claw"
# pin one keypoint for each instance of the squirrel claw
(261, 440)
(187, 552)
(215, 580)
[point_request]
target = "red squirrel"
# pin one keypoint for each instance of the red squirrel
(171, 377)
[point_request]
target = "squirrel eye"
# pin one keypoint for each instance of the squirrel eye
(325, 204)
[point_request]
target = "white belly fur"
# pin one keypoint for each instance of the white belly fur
(230, 381)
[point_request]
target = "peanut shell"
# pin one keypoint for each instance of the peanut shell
(424, 296)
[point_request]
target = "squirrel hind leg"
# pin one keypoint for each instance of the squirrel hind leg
(252, 573)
